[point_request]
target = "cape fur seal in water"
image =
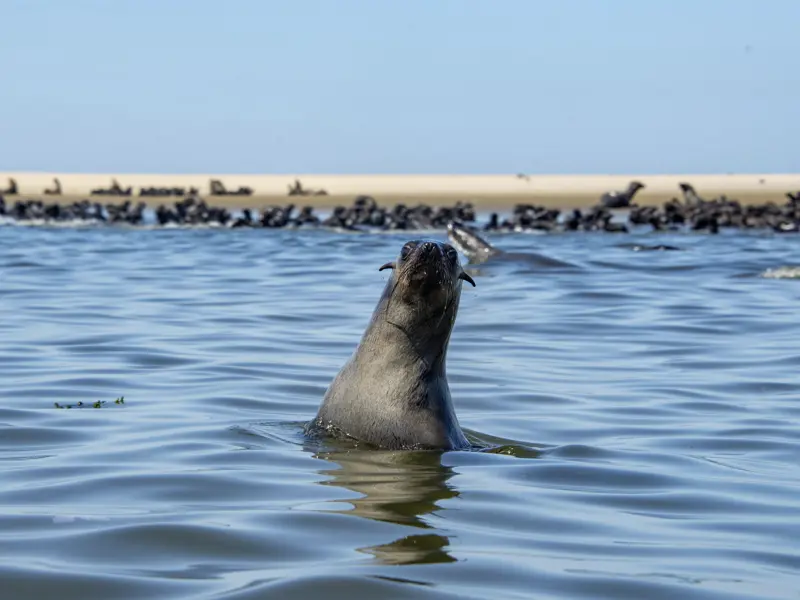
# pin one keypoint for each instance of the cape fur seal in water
(478, 250)
(393, 391)
(467, 240)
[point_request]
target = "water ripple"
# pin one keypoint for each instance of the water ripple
(641, 411)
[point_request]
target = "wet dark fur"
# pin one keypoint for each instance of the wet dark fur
(393, 391)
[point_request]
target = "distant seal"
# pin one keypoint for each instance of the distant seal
(471, 245)
(621, 199)
(690, 196)
(478, 250)
(393, 391)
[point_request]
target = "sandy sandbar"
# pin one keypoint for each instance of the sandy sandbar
(485, 191)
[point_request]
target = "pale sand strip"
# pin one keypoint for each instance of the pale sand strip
(486, 191)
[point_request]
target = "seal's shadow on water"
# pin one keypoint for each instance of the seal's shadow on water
(394, 486)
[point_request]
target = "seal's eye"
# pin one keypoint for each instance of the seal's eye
(406, 250)
(451, 253)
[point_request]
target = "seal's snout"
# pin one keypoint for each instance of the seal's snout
(429, 249)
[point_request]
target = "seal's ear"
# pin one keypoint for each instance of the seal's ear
(466, 277)
(389, 265)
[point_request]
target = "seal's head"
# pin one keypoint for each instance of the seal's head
(425, 288)
(635, 186)
(468, 241)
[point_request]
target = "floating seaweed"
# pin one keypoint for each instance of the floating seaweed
(98, 404)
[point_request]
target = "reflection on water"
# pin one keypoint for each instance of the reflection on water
(638, 417)
(398, 487)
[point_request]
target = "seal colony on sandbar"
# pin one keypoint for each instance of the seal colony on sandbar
(616, 213)
(393, 391)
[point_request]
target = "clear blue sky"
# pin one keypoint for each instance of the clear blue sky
(400, 86)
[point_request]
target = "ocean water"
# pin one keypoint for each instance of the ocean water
(642, 408)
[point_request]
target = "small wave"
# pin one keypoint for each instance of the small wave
(648, 248)
(782, 273)
(72, 223)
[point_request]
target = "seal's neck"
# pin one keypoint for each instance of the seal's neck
(401, 335)
(632, 189)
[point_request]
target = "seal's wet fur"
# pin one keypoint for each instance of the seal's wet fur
(393, 391)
